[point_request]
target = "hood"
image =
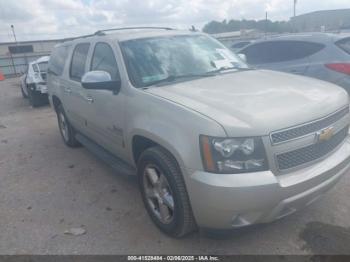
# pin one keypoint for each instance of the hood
(256, 102)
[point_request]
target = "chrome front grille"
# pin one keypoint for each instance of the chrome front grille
(310, 153)
(308, 128)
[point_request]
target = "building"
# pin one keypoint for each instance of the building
(327, 20)
(228, 38)
(14, 57)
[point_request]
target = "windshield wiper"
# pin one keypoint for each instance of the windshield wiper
(173, 78)
(222, 69)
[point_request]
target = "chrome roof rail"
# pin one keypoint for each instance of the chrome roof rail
(101, 32)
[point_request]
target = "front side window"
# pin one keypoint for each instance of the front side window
(77, 67)
(149, 60)
(103, 59)
(35, 68)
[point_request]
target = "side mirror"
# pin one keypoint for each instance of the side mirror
(100, 80)
(242, 57)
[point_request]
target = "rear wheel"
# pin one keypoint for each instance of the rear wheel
(24, 95)
(164, 193)
(66, 130)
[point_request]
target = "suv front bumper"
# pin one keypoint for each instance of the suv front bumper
(221, 201)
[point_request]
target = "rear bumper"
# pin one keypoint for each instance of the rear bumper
(228, 201)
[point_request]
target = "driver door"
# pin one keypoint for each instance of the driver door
(106, 108)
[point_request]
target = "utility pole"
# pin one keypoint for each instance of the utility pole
(13, 62)
(266, 24)
(14, 34)
(295, 7)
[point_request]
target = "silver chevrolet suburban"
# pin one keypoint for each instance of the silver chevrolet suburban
(214, 143)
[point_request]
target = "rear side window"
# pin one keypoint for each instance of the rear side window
(77, 67)
(344, 44)
(35, 68)
(240, 44)
(57, 60)
(103, 59)
(280, 51)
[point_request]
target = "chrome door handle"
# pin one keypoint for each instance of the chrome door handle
(67, 90)
(89, 99)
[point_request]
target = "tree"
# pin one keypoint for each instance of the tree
(214, 27)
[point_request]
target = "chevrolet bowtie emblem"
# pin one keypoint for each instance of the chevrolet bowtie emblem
(324, 134)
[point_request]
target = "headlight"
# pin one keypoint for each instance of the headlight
(233, 155)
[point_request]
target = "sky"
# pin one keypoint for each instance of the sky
(52, 19)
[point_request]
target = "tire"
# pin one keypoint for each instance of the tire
(23, 94)
(35, 98)
(176, 222)
(66, 130)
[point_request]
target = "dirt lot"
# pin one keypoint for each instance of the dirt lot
(47, 188)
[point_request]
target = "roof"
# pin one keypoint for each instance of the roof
(129, 34)
(323, 12)
(315, 37)
(43, 59)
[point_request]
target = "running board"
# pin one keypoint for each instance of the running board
(117, 164)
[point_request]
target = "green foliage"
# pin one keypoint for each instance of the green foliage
(214, 27)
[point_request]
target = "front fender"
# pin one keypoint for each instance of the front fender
(173, 126)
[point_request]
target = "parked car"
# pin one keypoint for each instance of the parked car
(213, 143)
(319, 55)
(238, 45)
(33, 82)
(23, 84)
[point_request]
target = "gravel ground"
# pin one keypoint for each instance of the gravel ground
(47, 188)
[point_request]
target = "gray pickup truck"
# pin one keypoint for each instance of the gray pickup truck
(214, 143)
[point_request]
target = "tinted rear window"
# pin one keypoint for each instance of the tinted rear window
(280, 51)
(43, 66)
(240, 44)
(344, 44)
(77, 67)
(57, 60)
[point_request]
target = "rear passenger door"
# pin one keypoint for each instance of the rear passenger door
(57, 63)
(287, 56)
(76, 103)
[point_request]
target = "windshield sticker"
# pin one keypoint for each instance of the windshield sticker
(222, 63)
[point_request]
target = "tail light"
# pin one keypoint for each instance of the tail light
(340, 67)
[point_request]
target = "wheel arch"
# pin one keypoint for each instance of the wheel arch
(56, 102)
(142, 141)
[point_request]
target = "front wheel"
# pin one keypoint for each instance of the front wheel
(66, 130)
(164, 193)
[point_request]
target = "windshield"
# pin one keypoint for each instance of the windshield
(151, 60)
(43, 66)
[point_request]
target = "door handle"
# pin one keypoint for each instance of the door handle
(67, 90)
(89, 99)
